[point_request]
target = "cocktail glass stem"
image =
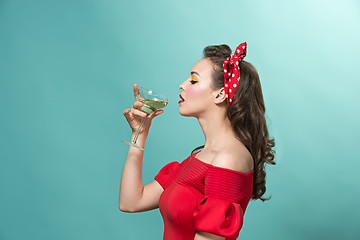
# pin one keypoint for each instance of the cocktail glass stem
(133, 142)
(138, 131)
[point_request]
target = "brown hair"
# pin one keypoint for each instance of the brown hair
(247, 114)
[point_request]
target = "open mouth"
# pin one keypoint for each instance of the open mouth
(182, 99)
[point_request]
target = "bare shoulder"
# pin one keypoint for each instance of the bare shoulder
(238, 159)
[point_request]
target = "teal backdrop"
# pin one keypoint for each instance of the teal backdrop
(67, 69)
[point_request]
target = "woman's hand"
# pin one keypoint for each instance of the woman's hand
(134, 115)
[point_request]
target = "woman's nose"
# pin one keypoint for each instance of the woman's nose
(181, 86)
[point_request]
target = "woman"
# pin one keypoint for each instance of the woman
(206, 195)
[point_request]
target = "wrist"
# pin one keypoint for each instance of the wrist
(142, 136)
(142, 133)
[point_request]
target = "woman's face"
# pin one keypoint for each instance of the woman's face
(196, 89)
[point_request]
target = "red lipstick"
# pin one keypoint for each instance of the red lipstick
(182, 99)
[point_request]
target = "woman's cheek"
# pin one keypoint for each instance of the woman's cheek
(194, 93)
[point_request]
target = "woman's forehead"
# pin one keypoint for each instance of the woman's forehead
(203, 67)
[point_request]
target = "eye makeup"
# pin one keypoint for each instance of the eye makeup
(193, 79)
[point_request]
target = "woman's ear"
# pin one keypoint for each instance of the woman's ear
(220, 96)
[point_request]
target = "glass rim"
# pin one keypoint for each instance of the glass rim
(158, 94)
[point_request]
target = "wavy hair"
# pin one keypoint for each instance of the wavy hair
(247, 115)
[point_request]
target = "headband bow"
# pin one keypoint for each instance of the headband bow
(231, 70)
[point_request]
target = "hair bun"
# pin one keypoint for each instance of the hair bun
(221, 51)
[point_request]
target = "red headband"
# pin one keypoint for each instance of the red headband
(231, 70)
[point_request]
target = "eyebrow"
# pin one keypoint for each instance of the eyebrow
(192, 72)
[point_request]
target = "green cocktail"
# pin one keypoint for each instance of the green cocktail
(152, 101)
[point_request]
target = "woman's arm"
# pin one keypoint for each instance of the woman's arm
(134, 197)
(207, 236)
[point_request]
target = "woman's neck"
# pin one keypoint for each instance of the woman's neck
(217, 130)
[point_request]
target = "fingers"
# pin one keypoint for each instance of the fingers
(126, 111)
(139, 113)
(137, 105)
(156, 113)
(126, 114)
(129, 114)
(136, 88)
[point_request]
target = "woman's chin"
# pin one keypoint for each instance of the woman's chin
(182, 113)
(185, 114)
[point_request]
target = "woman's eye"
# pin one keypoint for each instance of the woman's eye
(193, 82)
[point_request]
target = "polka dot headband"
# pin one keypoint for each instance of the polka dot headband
(231, 70)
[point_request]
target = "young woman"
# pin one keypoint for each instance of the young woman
(206, 195)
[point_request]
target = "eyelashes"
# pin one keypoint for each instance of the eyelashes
(193, 81)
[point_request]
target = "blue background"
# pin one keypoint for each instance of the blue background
(67, 69)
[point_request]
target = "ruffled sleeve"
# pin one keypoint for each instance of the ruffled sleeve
(221, 210)
(168, 173)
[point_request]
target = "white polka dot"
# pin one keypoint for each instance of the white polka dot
(237, 63)
(225, 70)
(233, 75)
(226, 85)
(243, 47)
(238, 51)
(230, 100)
(230, 80)
(229, 74)
(234, 85)
(227, 95)
(230, 90)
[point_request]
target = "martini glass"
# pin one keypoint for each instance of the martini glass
(151, 102)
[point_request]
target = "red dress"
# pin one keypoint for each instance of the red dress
(201, 197)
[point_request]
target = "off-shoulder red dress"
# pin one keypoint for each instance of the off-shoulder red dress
(201, 197)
